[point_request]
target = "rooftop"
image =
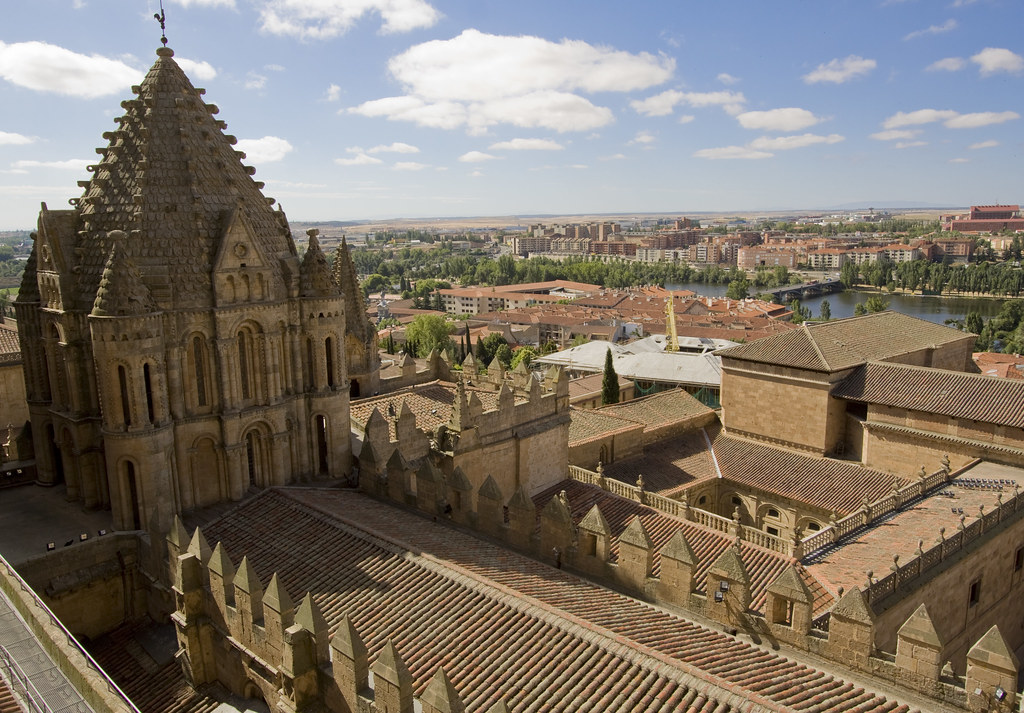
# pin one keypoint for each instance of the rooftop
(845, 343)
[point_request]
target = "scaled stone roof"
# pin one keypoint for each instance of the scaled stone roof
(671, 465)
(845, 343)
(587, 425)
(443, 595)
(171, 180)
(657, 410)
(948, 393)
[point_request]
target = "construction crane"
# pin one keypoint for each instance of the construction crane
(670, 324)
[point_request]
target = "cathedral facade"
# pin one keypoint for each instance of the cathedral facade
(178, 351)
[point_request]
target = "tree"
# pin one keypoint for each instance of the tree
(525, 354)
(826, 311)
(875, 303)
(428, 332)
(738, 288)
(849, 275)
(375, 283)
(610, 382)
(859, 310)
(487, 348)
(503, 354)
(974, 323)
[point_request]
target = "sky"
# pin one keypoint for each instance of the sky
(376, 109)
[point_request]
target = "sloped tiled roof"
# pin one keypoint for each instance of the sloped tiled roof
(824, 483)
(671, 465)
(558, 640)
(846, 343)
(657, 410)
(948, 393)
(589, 424)
(10, 345)
(149, 685)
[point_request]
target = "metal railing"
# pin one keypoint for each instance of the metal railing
(21, 684)
(11, 575)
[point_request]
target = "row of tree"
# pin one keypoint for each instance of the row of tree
(1003, 278)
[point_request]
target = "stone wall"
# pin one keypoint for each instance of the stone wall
(13, 403)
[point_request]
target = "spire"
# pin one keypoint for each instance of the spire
(163, 24)
(344, 269)
(315, 279)
(121, 291)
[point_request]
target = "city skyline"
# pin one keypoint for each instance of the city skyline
(369, 109)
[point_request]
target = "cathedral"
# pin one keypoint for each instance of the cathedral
(178, 350)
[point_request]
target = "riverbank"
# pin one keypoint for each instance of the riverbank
(871, 289)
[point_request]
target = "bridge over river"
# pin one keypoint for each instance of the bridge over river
(784, 295)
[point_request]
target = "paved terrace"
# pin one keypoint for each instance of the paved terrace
(508, 627)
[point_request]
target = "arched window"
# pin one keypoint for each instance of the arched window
(329, 352)
(813, 526)
(321, 445)
(122, 384)
(132, 493)
(772, 512)
(199, 369)
(245, 364)
(252, 457)
(147, 380)
(310, 366)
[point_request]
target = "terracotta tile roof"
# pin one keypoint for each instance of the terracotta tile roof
(10, 345)
(846, 343)
(948, 393)
(556, 641)
(8, 703)
(1006, 366)
(823, 483)
(670, 466)
(152, 687)
(899, 534)
(657, 410)
(590, 424)
(586, 385)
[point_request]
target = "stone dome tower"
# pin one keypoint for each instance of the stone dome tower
(178, 350)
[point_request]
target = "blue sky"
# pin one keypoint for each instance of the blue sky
(358, 109)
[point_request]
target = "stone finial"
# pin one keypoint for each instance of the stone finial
(490, 490)
(121, 290)
(390, 667)
(440, 695)
(276, 596)
(220, 563)
(499, 707)
(991, 663)
(347, 641)
(636, 534)
(200, 547)
(246, 578)
(790, 585)
(678, 549)
(595, 522)
(730, 563)
(919, 628)
(854, 607)
(469, 365)
(177, 535)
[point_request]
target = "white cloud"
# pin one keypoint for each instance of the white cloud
(785, 119)
(333, 93)
(643, 138)
(74, 164)
(686, 118)
(255, 81)
(984, 145)
(785, 143)
(48, 68)
(731, 152)
(662, 104)
(908, 144)
(10, 139)
(476, 157)
(893, 134)
(979, 119)
(273, 67)
(947, 26)
(949, 64)
(396, 147)
(613, 157)
(994, 59)
(727, 79)
(527, 145)
(360, 159)
(916, 118)
(477, 80)
(205, 3)
(409, 166)
(203, 71)
(840, 70)
(325, 19)
(477, 174)
(959, 160)
(265, 150)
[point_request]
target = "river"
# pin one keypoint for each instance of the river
(842, 304)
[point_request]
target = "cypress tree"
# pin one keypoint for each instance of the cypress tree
(610, 383)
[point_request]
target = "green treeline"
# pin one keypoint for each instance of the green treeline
(976, 278)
